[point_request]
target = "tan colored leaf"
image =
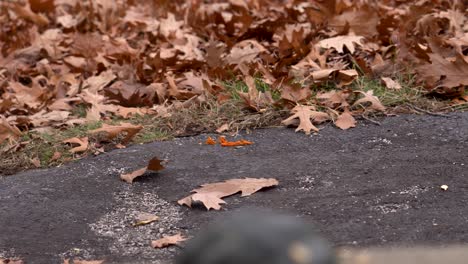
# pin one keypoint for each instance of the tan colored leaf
(113, 131)
(57, 155)
(11, 261)
(369, 97)
(334, 99)
(154, 165)
(7, 131)
(129, 177)
(245, 51)
(449, 73)
(78, 261)
(338, 43)
(345, 121)
(145, 218)
(305, 114)
(168, 241)
(81, 142)
(223, 128)
(391, 84)
(36, 162)
(211, 194)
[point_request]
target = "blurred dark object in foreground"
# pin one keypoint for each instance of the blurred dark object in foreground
(251, 237)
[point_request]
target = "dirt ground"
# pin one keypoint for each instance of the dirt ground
(375, 185)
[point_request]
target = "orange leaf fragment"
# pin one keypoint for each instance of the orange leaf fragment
(210, 141)
(225, 143)
(154, 165)
(168, 241)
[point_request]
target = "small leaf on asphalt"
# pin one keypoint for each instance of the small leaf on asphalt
(145, 218)
(225, 143)
(168, 241)
(210, 141)
(154, 165)
(345, 121)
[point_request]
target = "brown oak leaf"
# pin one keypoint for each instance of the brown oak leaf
(113, 131)
(81, 142)
(305, 114)
(369, 97)
(168, 241)
(211, 194)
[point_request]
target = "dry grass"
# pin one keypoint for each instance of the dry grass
(198, 119)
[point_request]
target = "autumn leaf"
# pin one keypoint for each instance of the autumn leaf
(11, 261)
(145, 218)
(168, 241)
(225, 143)
(345, 120)
(443, 72)
(338, 43)
(7, 131)
(390, 83)
(81, 142)
(113, 131)
(305, 114)
(78, 261)
(211, 194)
(222, 128)
(210, 141)
(370, 98)
(154, 164)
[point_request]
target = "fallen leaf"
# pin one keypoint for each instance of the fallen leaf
(225, 143)
(369, 97)
(113, 131)
(36, 162)
(391, 84)
(154, 165)
(338, 43)
(7, 131)
(11, 261)
(223, 128)
(210, 194)
(145, 218)
(57, 155)
(168, 241)
(345, 121)
(305, 114)
(81, 142)
(210, 141)
(78, 261)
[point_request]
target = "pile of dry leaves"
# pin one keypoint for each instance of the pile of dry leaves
(128, 57)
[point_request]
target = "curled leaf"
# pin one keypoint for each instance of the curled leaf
(113, 131)
(168, 241)
(81, 142)
(154, 165)
(225, 143)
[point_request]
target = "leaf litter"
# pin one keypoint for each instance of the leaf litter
(144, 57)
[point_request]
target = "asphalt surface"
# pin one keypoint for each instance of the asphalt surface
(374, 185)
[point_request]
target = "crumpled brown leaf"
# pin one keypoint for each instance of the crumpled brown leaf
(210, 194)
(168, 241)
(154, 164)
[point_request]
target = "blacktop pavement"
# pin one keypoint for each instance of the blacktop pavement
(370, 186)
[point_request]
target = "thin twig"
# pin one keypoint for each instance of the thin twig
(370, 120)
(426, 111)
